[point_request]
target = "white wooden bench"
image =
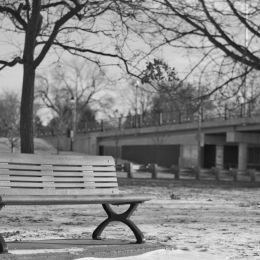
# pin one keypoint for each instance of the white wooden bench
(29, 179)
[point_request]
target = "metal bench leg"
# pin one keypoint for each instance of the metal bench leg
(3, 246)
(124, 218)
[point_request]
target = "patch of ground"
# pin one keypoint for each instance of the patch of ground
(210, 217)
(40, 145)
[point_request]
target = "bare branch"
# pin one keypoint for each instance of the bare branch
(15, 14)
(10, 63)
(86, 50)
(242, 19)
(249, 59)
(228, 81)
(54, 33)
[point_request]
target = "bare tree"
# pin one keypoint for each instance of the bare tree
(138, 96)
(72, 88)
(9, 118)
(78, 27)
(223, 36)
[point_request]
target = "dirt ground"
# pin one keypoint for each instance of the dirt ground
(211, 217)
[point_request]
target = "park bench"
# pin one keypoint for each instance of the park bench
(33, 179)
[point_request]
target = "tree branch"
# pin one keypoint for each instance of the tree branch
(85, 50)
(55, 31)
(226, 83)
(14, 14)
(252, 61)
(242, 50)
(10, 63)
(242, 19)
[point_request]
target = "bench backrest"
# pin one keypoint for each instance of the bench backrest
(37, 174)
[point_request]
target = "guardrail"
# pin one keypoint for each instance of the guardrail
(165, 118)
(153, 119)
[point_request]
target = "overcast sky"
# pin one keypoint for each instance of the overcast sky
(11, 78)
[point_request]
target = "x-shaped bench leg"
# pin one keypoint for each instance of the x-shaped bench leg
(124, 218)
(3, 246)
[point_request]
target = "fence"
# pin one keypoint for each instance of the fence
(157, 119)
(165, 118)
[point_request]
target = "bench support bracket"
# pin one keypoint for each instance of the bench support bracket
(122, 217)
(3, 246)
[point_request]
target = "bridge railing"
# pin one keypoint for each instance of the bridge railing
(159, 119)
(139, 121)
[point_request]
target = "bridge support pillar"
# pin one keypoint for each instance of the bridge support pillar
(220, 157)
(242, 157)
(129, 169)
(154, 170)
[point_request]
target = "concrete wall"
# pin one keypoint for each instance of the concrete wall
(144, 151)
(86, 143)
(151, 139)
(230, 138)
(163, 155)
(189, 156)
(61, 143)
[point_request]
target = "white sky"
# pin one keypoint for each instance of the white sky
(11, 77)
(11, 80)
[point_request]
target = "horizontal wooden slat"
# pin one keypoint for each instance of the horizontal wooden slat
(51, 178)
(56, 159)
(72, 168)
(112, 179)
(36, 173)
(71, 179)
(55, 168)
(85, 173)
(4, 171)
(75, 199)
(104, 184)
(57, 185)
(21, 167)
(25, 173)
(59, 174)
(42, 185)
(19, 178)
(104, 169)
(112, 174)
(53, 192)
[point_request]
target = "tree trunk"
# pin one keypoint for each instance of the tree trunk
(29, 68)
(26, 118)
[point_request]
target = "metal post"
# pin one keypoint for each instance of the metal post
(102, 126)
(225, 112)
(136, 104)
(199, 135)
(160, 118)
(74, 121)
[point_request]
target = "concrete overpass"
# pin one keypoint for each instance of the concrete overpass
(215, 143)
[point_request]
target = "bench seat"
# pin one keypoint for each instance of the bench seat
(31, 179)
(120, 199)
